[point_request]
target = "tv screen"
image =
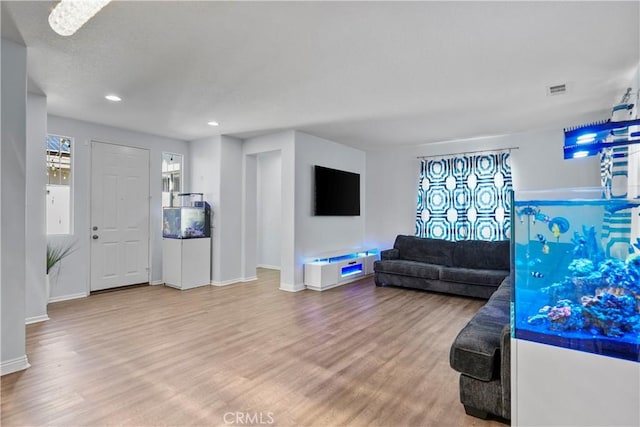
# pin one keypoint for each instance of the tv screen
(337, 193)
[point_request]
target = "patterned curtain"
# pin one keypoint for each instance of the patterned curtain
(465, 198)
(614, 175)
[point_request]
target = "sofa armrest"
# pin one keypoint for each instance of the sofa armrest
(505, 370)
(389, 254)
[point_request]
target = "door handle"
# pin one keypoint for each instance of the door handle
(94, 237)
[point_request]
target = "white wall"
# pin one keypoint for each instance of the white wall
(12, 207)
(205, 178)
(36, 232)
(392, 176)
(269, 209)
(216, 171)
(315, 235)
(73, 278)
(231, 210)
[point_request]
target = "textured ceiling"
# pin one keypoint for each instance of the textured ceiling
(367, 74)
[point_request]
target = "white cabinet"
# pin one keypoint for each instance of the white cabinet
(329, 272)
(564, 387)
(186, 263)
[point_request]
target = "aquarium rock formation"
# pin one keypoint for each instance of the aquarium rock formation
(599, 296)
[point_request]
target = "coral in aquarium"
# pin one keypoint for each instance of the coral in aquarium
(599, 296)
(564, 316)
(586, 245)
(581, 267)
(633, 273)
(611, 313)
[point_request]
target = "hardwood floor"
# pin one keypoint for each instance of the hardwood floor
(245, 354)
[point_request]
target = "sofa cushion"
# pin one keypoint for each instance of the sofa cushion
(472, 276)
(408, 268)
(476, 350)
(432, 251)
(503, 293)
(389, 254)
(482, 254)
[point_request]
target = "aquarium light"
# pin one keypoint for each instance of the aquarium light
(592, 138)
(579, 154)
(586, 138)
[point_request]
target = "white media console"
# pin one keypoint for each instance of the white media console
(327, 272)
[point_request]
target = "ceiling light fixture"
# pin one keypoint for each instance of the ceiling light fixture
(114, 98)
(69, 15)
(213, 123)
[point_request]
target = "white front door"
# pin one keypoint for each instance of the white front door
(119, 216)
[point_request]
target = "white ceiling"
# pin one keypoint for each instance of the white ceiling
(367, 74)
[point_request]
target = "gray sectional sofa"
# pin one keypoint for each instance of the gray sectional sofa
(482, 354)
(471, 268)
(481, 351)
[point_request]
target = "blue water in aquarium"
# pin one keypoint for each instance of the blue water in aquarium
(577, 285)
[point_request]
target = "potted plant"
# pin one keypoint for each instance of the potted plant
(55, 254)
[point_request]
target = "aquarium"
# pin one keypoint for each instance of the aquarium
(187, 222)
(577, 271)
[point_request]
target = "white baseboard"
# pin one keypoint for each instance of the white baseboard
(291, 288)
(269, 267)
(68, 297)
(36, 319)
(14, 365)
(232, 281)
(226, 282)
(157, 282)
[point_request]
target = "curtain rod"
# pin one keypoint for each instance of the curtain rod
(495, 150)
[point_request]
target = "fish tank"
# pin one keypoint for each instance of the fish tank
(576, 257)
(191, 221)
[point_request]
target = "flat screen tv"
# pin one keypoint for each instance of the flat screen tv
(337, 193)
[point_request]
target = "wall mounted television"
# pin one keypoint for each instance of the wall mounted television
(337, 193)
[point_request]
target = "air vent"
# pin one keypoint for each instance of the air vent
(557, 89)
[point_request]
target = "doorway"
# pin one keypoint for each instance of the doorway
(269, 210)
(119, 216)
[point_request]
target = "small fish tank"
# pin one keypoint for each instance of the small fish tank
(576, 257)
(190, 221)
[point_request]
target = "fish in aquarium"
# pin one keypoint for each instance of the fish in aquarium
(543, 240)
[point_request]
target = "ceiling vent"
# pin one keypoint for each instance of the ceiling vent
(557, 89)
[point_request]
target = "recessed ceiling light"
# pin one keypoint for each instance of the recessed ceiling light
(114, 98)
(213, 123)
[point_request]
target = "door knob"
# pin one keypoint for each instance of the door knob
(95, 237)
